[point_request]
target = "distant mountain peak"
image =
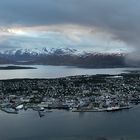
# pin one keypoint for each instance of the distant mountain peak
(63, 56)
(40, 51)
(53, 51)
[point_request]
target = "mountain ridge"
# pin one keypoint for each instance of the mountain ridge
(48, 51)
(64, 56)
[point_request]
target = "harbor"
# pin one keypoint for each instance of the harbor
(109, 109)
(98, 93)
(75, 125)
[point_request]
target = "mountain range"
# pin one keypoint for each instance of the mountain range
(62, 56)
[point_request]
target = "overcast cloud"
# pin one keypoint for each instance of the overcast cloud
(121, 18)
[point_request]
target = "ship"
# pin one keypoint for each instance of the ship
(117, 108)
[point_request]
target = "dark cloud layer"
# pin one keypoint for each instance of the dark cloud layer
(120, 17)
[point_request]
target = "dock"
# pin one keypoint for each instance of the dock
(9, 110)
(103, 109)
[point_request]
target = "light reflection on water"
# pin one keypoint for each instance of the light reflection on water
(56, 71)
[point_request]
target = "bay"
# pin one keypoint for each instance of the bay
(57, 71)
(67, 125)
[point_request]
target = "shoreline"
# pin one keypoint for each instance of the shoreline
(103, 110)
(15, 67)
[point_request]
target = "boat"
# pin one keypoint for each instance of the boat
(37, 108)
(20, 107)
(116, 108)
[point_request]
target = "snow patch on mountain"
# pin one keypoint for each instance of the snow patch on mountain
(53, 51)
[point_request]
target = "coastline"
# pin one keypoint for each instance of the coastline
(15, 67)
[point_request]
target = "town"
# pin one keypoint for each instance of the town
(76, 93)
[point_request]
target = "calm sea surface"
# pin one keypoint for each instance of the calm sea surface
(66, 125)
(56, 71)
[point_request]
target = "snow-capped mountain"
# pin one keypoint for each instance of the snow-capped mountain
(42, 51)
(63, 56)
(52, 51)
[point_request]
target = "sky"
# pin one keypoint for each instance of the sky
(97, 25)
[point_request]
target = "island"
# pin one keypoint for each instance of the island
(83, 93)
(15, 67)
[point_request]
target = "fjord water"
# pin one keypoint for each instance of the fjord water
(66, 125)
(57, 71)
